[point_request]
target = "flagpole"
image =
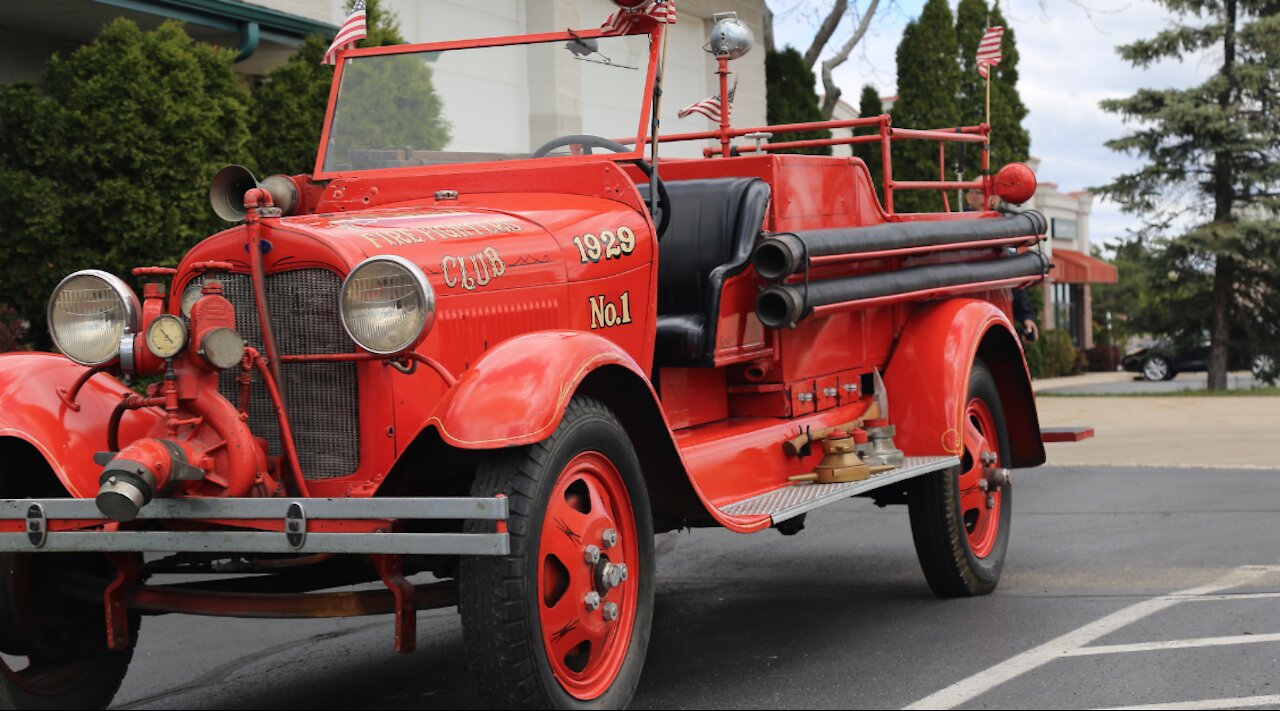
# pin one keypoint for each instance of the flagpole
(657, 104)
(988, 119)
(656, 121)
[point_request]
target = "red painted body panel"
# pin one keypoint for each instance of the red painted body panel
(928, 375)
(517, 391)
(30, 410)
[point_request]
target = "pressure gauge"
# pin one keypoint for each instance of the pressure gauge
(191, 296)
(166, 336)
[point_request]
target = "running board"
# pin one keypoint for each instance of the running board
(794, 499)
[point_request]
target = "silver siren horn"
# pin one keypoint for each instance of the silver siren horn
(226, 192)
(730, 37)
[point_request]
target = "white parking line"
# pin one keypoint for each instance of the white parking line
(1240, 702)
(1036, 657)
(1234, 596)
(1174, 644)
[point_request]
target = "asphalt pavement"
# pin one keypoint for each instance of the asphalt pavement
(1123, 587)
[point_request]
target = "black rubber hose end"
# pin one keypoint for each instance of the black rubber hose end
(779, 306)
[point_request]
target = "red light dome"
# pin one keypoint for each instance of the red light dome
(1015, 183)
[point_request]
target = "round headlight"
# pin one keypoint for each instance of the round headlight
(89, 313)
(387, 305)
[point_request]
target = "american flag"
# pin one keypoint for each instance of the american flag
(623, 21)
(989, 50)
(352, 31)
(709, 107)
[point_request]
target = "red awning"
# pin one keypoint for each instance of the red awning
(1072, 267)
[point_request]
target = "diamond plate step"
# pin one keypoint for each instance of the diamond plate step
(792, 500)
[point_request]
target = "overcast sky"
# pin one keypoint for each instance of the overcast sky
(1067, 65)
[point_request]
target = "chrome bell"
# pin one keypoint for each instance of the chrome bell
(730, 38)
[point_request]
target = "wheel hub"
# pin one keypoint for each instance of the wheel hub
(587, 552)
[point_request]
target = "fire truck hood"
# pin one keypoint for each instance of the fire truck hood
(511, 240)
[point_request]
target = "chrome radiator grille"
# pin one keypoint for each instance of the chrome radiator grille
(322, 398)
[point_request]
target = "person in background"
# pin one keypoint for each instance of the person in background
(1023, 314)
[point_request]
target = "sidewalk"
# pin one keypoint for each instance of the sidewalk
(1072, 381)
(1240, 432)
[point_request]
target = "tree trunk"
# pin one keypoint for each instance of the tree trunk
(1223, 275)
(1223, 204)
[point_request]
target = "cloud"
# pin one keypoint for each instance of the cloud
(1068, 64)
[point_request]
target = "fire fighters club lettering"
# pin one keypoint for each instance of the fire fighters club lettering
(417, 235)
(483, 267)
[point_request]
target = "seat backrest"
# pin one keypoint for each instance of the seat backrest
(714, 226)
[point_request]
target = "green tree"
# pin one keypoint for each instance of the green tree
(106, 162)
(791, 97)
(869, 105)
(1010, 142)
(1217, 146)
(928, 75)
(289, 105)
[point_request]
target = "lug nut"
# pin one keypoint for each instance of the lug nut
(591, 554)
(982, 484)
(610, 611)
(622, 572)
(991, 501)
(988, 457)
(591, 600)
(609, 538)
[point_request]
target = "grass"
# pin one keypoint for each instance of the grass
(1272, 391)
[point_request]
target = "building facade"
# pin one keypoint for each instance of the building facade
(1068, 302)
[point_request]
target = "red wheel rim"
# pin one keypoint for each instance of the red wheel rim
(980, 502)
(585, 650)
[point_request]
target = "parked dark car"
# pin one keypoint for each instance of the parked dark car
(1163, 361)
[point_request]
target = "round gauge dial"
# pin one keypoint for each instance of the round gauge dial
(166, 336)
(191, 296)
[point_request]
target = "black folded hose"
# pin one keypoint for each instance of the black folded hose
(784, 254)
(784, 304)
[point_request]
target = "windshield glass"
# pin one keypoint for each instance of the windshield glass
(484, 104)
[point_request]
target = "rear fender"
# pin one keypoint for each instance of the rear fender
(32, 411)
(927, 379)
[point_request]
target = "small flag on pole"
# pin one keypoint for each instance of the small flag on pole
(708, 107)
(989, 50)
(352, 31)
(624, 21)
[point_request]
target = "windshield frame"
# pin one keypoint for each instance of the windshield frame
(637, 152)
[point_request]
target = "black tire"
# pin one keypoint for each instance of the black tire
(498, 595)
(64, 639)
(938, 525)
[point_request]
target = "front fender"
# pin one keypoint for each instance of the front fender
(32, 411)
(516, 393)
(927, 379)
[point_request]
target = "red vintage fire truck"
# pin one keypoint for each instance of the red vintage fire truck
(503, 344)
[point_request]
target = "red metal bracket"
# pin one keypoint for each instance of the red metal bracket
(391, 570)
(1065, 434)
(127, 565)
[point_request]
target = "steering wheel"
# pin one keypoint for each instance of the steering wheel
(663, 218)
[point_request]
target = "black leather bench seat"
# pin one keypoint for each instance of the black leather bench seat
(714, 226)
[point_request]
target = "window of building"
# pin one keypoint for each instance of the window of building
(1068, 311)
(1065, 229)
